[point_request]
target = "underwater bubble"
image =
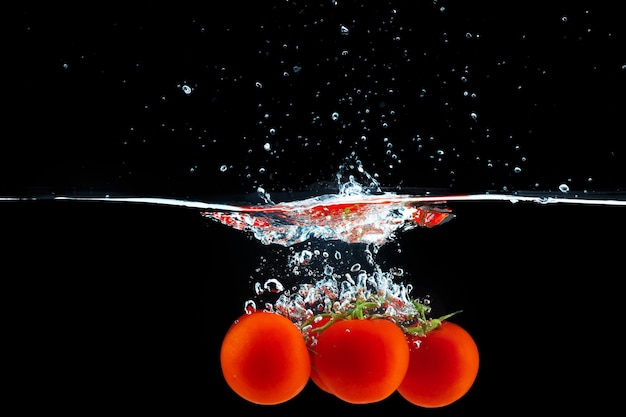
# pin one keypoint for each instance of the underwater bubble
(273, 285)
(564, 188)
(396, 271)
(305, 257)
(249, 306)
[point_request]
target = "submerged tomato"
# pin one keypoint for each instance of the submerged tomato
(264, 358)
(361, 360)
(442, 368)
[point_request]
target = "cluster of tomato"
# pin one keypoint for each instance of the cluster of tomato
(267, 359)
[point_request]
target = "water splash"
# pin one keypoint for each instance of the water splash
(357, 218)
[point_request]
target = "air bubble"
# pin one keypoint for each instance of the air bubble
(305, 257)
(249, 307)
(273, 285)
(564, 188)
(396, 271)
(355, 268)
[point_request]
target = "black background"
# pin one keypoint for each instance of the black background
(123, 306)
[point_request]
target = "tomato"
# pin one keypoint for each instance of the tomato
(442, 368)
(264, 358)
(361, 361)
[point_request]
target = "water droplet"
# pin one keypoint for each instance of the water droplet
(564, 188)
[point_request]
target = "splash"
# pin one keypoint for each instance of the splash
(351, 218)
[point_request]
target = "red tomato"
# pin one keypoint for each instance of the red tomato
(264, 358)
(362, 361)
(442, 368)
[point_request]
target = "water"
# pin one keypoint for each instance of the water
(109, 288)
(327, 246)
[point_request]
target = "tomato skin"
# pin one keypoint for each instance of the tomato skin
(361, 361)
(442, 368)
(264, 358)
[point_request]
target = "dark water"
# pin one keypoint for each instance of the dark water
(123, 307)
